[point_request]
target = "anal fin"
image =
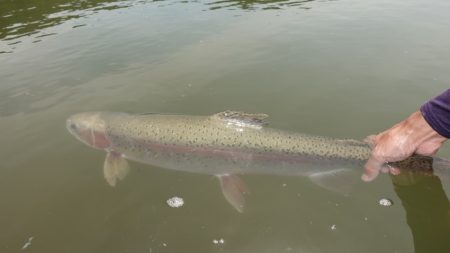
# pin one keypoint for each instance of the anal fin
(233, 189)
(114, 168)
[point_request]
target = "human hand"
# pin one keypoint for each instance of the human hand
(411, 136)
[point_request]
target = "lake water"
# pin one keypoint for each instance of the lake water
(342, 68)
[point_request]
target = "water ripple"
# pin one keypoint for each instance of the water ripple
(24, 18)
(256, 4)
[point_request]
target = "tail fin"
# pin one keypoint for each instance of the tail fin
(441, 168)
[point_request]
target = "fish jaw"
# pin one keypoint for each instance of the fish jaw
(89, 128)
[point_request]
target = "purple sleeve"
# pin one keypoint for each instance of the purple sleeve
(437, 113)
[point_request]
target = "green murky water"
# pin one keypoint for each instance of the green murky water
(341, 68)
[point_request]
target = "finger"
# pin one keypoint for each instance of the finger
(384, 169)
(371, 170)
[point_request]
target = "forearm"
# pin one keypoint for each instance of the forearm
(417, 128)
(420, 132)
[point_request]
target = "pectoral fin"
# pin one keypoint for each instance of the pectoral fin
(233, 189)
(339, 180)
(115, 167)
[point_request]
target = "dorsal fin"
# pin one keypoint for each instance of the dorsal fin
(242, 119)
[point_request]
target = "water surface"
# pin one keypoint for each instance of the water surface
(341, 68)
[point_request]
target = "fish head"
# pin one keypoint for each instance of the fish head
(89, 128)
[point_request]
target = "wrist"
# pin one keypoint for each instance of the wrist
(419, 129)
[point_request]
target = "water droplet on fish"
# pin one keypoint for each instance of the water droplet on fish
(385, 202)
(175, 202)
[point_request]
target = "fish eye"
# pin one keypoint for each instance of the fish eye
(73, 126)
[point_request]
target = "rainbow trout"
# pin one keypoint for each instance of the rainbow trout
(225, 144)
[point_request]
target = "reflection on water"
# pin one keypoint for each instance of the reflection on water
(31, 18)
(427, 210)
(255, 4)
(21, 18)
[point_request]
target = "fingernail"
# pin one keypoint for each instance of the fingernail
(366, 178)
